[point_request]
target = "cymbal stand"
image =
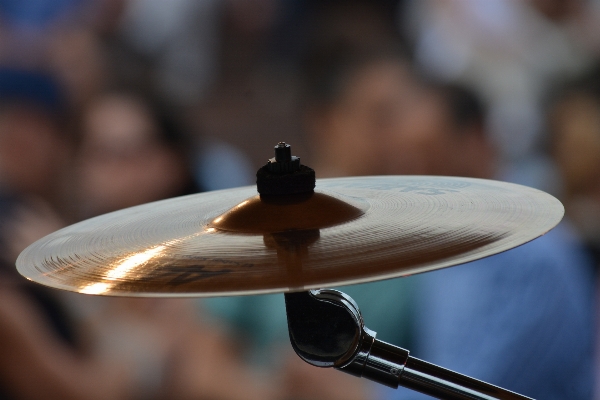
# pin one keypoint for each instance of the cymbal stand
(325, 326)
(327, 330)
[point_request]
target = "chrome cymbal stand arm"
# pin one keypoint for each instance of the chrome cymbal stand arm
(327, 330)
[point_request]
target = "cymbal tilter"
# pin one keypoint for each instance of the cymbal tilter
(327, 330)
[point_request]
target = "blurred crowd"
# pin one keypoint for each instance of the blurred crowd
(107, 104)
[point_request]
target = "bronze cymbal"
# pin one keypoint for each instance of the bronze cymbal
(350, 230)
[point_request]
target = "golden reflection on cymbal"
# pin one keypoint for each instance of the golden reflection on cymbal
(95, 288)
(125, 267)
(122, 269)
(231, 242)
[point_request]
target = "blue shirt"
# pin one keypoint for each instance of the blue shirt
(522, 319)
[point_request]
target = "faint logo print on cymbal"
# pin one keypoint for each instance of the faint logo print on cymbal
(430, 186)
(426, 190)
(180, 275)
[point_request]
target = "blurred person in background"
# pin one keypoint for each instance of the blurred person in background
(134, 152)
(506, 318)
(128, 143)
(130, 348)
(41, 356)
(354, 98)
(511, 52)
(574, 122)
(499, 319)
(257, 97)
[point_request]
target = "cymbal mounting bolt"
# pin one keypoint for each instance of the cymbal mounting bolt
(283, 152)
(283, 162)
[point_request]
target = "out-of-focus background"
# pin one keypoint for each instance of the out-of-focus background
(106, 104)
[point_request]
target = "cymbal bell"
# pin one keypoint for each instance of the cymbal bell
(232, 242)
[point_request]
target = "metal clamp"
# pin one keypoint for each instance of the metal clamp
(327, 330)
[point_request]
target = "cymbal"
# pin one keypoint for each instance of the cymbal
(232, 242)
